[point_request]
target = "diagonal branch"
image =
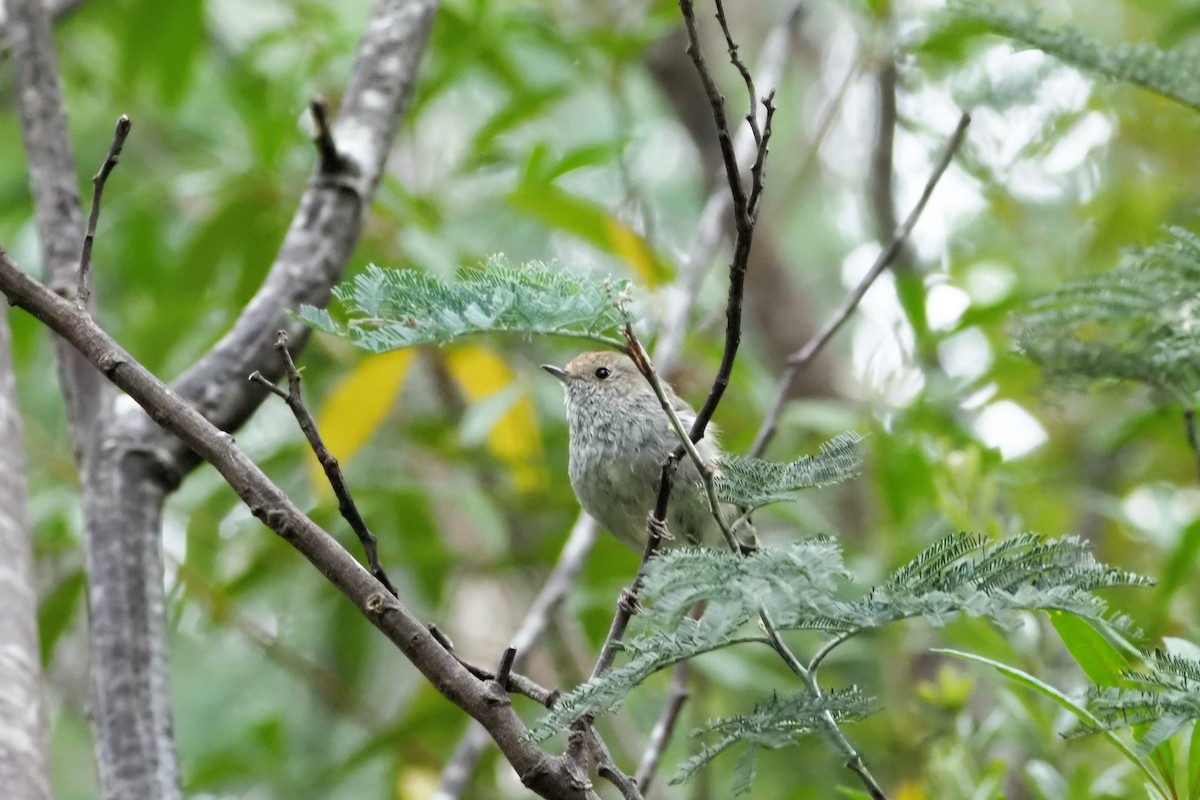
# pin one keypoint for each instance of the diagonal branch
(329, 219)
(549, 776)
(886, 258)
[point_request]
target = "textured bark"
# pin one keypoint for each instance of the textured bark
(24, 756)
(128, 465)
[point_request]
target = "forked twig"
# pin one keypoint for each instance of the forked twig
(83, 289)
(333, 471)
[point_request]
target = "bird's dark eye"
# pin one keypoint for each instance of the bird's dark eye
(602, 372)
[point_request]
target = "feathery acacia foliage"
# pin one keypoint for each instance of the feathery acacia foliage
(1139, 322)
(1174, 74)
(1166, 696)
(389, 309)
(752, 483)
(798, 586)
(774, 723)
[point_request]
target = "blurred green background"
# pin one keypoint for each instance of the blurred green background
(553, 130)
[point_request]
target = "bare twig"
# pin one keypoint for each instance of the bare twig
(664, 728)
(740, 66)
(745, 213)
(83, 289)
(656, 529)
(711, 227)
(815, 662)
(606, 767)
(806, 354)
(294, 398)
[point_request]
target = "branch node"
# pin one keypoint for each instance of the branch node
(504, 671)
(330, 160)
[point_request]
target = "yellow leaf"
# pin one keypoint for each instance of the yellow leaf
(357, 407)
(910, 791)
(515, 438)
(416, 783)
(633, 250)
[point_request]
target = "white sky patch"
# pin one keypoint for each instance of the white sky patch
(1009, 428)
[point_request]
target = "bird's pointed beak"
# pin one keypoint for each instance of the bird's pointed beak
(557, 372)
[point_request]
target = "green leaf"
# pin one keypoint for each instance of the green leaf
(1095, 655)
(56, 611)
(1023, 678)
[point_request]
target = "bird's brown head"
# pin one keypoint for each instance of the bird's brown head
(600, 374)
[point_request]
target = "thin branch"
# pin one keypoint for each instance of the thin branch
(83, 289)
(711, 228)
(656, 529)
(815, 662)
(829, 725)
(687, 444)
(886, 257)
(294, 397)
(740, 66)
(606, 768)
(745, 212)
(664, 728)
(547, 775)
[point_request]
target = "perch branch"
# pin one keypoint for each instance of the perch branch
(547, 775)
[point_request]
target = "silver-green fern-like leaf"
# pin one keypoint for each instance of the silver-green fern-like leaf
(1164, 695)
(1139, 322)
(753, 482)
(1174, 74)
(775, 722)
(801, 584)
(389, 309)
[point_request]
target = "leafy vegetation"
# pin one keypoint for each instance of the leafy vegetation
(546, 131)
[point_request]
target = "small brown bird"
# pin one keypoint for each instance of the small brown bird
(620, 437)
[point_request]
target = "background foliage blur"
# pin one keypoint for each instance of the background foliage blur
(550, 130)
